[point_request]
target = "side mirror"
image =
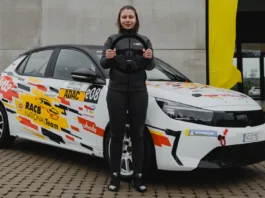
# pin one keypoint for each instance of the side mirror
(84, 74)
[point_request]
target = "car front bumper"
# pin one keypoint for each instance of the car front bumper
(234, 156)
(184, 146)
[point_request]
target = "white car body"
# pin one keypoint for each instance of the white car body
(38, 111)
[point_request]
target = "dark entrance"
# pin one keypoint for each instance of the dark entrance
(250, 47)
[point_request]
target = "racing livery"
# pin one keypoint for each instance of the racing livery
(188, 125)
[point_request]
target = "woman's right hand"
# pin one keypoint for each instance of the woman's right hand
(110, 53)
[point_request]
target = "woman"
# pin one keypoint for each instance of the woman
(127, 92)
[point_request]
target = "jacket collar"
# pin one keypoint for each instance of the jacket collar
(131, 31)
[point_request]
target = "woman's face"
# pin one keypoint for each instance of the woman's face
(128, 19)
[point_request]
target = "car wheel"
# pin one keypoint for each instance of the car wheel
(5, 138)
(127, 161)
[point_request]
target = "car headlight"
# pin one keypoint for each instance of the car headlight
(182, 112)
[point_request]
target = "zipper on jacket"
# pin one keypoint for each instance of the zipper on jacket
(128, 82)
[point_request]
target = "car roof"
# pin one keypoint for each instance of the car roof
(78, 46)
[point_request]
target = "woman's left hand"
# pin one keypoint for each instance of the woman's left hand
(148, 53)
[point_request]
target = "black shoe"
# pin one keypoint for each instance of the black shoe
(114, 182)
(138, 184)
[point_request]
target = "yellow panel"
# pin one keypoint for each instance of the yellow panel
(222, 39)
(155, 132)
(72, 94)
(41, 111)
(34, 80)
(34, 133)
(8, 105)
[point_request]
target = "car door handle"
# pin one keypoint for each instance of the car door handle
(50, 94)
(16, 90)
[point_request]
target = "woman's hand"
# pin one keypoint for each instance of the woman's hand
(148, 53)
(110, 53)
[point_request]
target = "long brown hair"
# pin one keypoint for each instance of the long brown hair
(128, 7)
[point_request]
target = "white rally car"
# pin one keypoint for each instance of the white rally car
(57, 95)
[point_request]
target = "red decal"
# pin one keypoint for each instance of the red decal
(88, 108)
(160, 140)
(6, 84)
(40, 87)
(80, 108)
(70, 138)
(211, 95)
(64, 101)
(91, 127)
(225, 132)
(75, 128)
(28, 123)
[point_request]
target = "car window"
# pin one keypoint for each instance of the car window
(22, 65)
(37, 63)
(70, 60)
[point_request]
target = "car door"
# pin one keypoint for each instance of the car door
(78, 98)
(36, 110)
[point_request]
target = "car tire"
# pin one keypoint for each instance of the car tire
(149, 155)
(5, 139)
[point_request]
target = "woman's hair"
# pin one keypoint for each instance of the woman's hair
(128, 7)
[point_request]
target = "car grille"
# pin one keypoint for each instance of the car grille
(236, 155)
(238, 118)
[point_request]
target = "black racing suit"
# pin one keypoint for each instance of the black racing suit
(127, 92)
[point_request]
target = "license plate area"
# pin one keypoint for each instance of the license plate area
(251, 137)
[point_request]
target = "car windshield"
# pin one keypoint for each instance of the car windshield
(161, 72)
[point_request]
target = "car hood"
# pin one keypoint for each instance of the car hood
(198, 95)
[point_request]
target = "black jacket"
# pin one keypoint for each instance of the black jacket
(123, 76)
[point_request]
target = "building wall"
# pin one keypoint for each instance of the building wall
(175, 27)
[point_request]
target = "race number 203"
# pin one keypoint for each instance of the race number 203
(92, 94)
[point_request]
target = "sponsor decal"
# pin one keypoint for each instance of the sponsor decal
(92, 94)
(20, 106)
(74, 85)
(219, 95)
(70, 138)
(69, 132)
(77, 86)
(90, 126)
(10, 74)
(6, 84)
(90, 108)
(87, 115)
(75, 128)
(159, 138)
(40, 119)
(72, 94)
(34, 80)
(40, 87)
(206, 133)
(41, 111)
(27, 122)
(24, 87)
(64, 101)
(33, 108)
(34, 133)
(54, 137)
(45, 104)
(138, 44)
(154, 84)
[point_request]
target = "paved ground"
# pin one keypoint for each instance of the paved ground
(30, 169)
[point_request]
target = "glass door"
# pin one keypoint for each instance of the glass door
(252, 70)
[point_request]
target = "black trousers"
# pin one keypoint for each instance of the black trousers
(136, 104)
